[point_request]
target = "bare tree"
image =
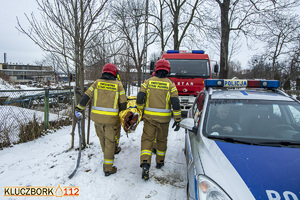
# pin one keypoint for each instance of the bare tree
(260, 68)
(279, 31)
(67, 29)
(183, 13)
(128, 19)
(159, 15)
(242, 16)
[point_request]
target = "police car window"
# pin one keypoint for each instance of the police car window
(253, 120)
(276, 110)
(296, 114)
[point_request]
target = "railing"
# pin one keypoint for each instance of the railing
(39, 110)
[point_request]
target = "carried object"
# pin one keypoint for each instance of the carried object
(130, 118)
(130, 121)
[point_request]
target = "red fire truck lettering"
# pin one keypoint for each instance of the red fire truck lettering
(187, 83)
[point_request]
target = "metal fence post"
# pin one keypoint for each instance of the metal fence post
(46, 116)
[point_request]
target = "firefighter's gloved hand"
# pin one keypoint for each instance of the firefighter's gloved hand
(78, 114)
(176, 125)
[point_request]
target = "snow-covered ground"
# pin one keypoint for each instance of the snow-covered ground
(47, 162)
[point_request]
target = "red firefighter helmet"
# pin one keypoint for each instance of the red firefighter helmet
(110, 68)
(162, 64)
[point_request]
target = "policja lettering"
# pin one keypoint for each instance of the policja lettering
(235, 83)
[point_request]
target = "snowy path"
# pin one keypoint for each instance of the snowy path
(46, 162)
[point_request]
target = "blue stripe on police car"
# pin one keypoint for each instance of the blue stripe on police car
(264, 169)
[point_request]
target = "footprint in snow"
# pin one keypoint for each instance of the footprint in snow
(152, 193)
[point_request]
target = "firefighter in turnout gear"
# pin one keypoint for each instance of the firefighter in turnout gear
(108, 100)
(155, 98)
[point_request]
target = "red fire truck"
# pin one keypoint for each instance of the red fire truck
(188, 71)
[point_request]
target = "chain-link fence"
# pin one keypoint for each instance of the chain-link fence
(25, 114)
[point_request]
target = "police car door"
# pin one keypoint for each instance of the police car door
(192, 156)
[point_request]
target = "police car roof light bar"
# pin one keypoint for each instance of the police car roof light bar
(264, 83)
(241, 83)
(214, 82)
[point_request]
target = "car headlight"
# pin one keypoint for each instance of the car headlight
(209, 190)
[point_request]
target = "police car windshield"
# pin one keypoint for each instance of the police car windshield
(266, 122)
(189, 68)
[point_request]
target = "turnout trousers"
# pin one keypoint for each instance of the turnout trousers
(151, 131)
(107, 136)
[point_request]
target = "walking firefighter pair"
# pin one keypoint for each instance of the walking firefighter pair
(153, 104)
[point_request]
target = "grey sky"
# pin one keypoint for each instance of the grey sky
(18, 47)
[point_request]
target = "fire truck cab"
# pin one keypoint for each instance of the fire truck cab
(189, 69)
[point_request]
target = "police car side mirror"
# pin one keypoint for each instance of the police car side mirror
(152, 66)
(216, 68)
(188, 123)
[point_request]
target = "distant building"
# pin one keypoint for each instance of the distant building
(26, 73)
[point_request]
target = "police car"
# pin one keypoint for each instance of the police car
(243, 142)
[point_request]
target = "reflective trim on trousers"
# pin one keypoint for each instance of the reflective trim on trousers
(108, 162)
(146, 152)
(160, 153)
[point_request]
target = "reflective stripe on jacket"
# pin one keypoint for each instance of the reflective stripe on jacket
(157, 105)
(106, 95)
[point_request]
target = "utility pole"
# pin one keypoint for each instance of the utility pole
(145, 40)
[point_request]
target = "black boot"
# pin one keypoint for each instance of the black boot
(117, 150)
(145, 173)
(159, 165)
(113, 170)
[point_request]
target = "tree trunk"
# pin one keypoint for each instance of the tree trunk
(81, 65)
(225, 29)
(176, 32)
